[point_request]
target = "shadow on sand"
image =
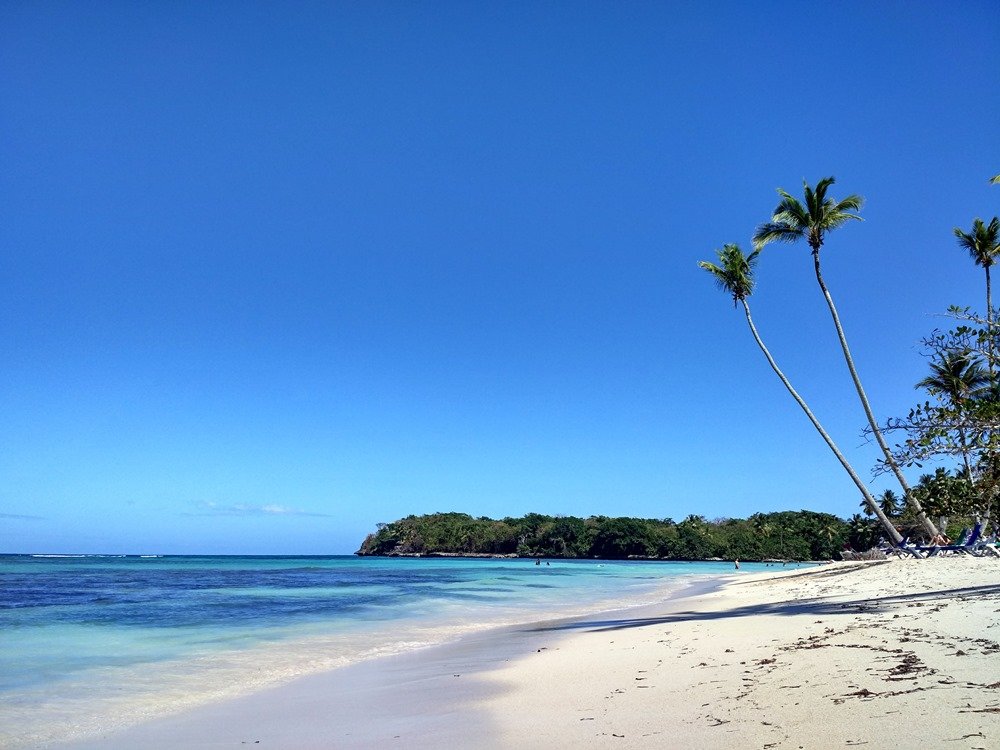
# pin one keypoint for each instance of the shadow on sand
(814, 606)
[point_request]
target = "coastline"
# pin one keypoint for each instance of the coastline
(426, 696)
(108, 659)
(893, 654)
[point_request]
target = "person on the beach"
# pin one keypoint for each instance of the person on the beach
(737, 564)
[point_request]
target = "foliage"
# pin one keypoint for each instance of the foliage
(960, 421)
(798, 535)
(793, 220)
(734, 274)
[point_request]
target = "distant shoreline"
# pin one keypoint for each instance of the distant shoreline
(636, 558)
(764, 537)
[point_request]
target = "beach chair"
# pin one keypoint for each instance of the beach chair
(902, 548)
(989, 547)
(967, 547)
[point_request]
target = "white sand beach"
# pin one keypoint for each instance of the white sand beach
(901, 654)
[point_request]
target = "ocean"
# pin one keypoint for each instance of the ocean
(92, 642)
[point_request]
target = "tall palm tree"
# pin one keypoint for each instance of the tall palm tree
(983, 244)
(957, 378)
(734, 275)
(792, 221)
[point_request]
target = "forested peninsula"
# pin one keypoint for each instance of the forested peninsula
(787, 535)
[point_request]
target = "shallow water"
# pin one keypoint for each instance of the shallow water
(92, 642)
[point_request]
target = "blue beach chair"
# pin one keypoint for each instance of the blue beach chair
(967, 547)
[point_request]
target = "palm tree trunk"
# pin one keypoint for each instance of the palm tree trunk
(887, 525)
(989, 299)
(907, 492)
(964, 446)
(991, 355)
(989, 359)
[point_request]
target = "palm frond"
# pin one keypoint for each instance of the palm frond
(812, 200)
(834, 219)
(850, 203)
(995, 179)
(790, 212)
(776, 232)
(822, 185)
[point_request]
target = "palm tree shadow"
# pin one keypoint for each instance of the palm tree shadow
(813, 606)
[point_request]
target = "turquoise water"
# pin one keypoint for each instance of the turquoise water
(90, 642)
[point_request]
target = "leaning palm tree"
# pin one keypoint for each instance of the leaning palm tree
(792, 221)
(983, 244)
(734, 275)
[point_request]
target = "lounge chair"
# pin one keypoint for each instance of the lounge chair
(967, 547)
(902, 548)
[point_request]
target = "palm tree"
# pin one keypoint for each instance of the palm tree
(889, 503)
(957, 377)
(995, 179)
(734, 275)
(983, 244)
(792, 221)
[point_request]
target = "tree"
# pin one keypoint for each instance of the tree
(735, 276)
(957, 377)
(792, 221)
(889, 503)
(983, 245)
(963, 420)
(946, 495)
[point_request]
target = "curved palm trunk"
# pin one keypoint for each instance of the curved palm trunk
(907, 492)
(890, 530)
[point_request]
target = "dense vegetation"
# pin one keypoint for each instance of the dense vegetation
(794, 535)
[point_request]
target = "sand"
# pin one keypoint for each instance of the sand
(901, 654)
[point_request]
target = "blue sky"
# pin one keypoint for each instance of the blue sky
(271, 273)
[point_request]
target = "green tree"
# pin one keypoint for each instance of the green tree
(861, 534)
(983, 245)
(792, 221)
(946, 495)
(622, 537)
(735, 276)
(889, 503)
(957, 378)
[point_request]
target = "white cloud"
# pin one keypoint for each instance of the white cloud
(210, 508)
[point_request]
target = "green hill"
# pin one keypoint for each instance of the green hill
(793, 535)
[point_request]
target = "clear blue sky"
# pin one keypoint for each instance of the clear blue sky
(271, 273)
